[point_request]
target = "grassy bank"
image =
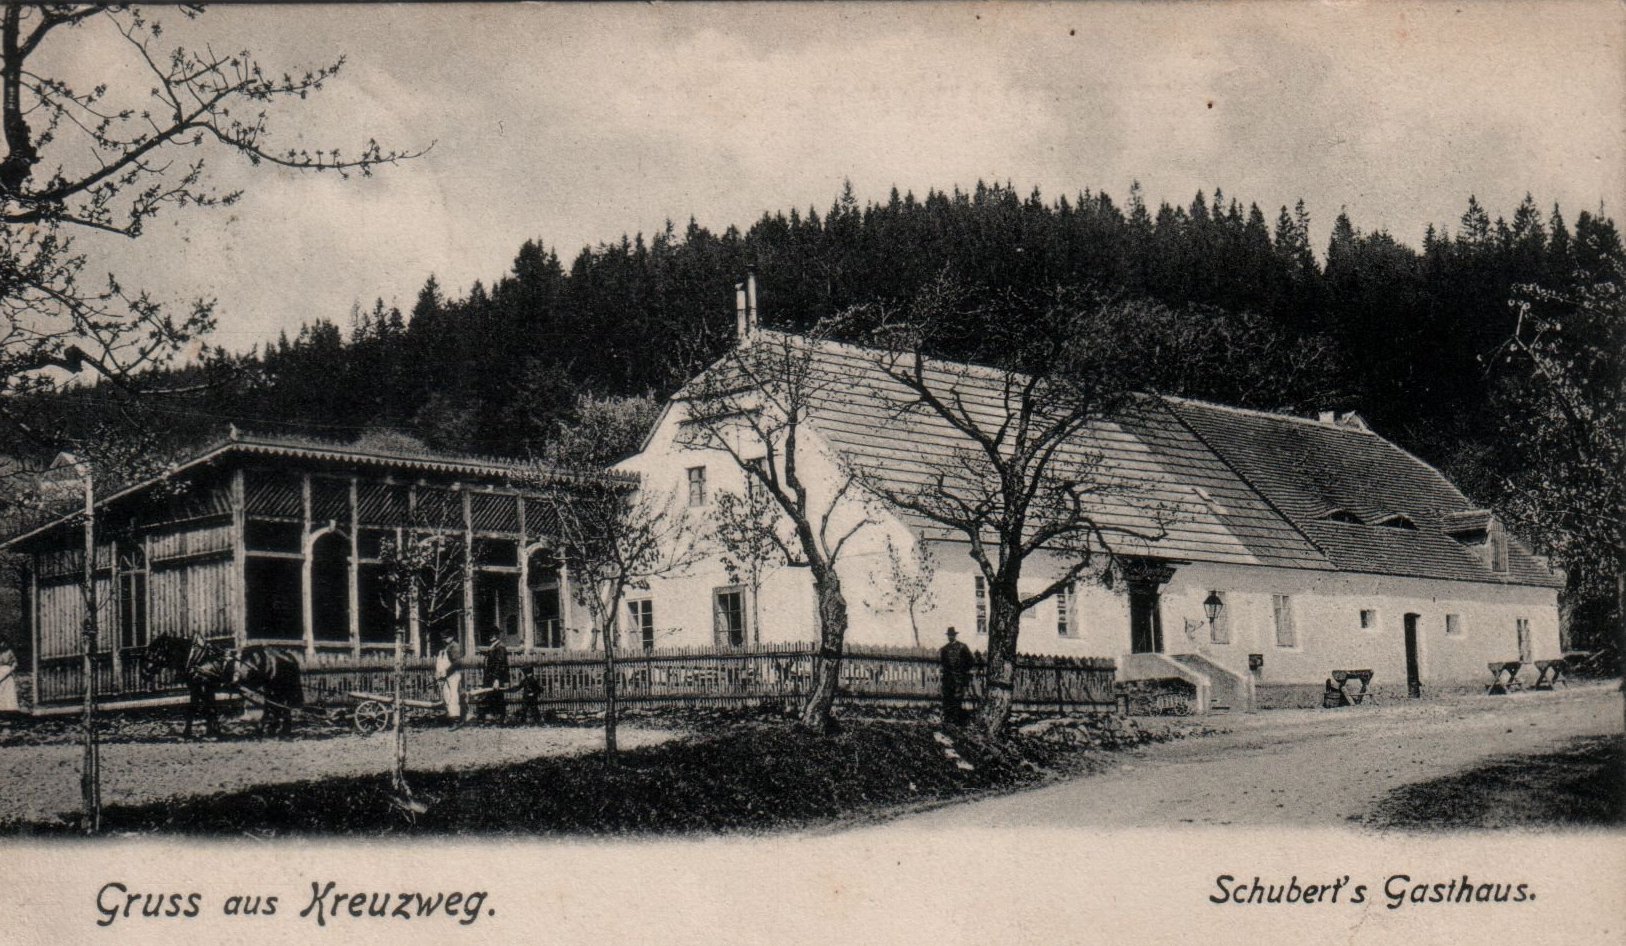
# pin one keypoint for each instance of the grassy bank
(1577, 786)
(736, 775)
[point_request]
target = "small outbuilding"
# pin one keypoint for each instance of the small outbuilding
(279, 540)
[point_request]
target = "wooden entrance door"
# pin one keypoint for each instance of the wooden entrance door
(1414, 676)
(1145, 623)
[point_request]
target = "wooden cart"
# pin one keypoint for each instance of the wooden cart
(375, 712)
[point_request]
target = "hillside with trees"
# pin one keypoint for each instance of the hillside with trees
(1421, 340)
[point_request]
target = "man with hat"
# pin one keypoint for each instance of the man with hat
(955, 660)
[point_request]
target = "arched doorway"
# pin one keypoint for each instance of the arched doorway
(330, 588)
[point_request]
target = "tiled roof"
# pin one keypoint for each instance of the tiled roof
(401, 455)
(1161, 481)
(1213, 484)
(1309, 469)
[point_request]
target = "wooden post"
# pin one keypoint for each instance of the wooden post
(307, 616)
(239, 558)
(38, 640)
(115, 607)
(355, 575)
(90, 776)
(527, 613)
(471, 638)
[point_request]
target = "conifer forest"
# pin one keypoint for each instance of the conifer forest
(1419, 333)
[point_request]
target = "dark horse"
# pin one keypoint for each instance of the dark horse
(265, 674)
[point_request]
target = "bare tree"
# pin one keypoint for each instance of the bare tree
(616, 540)
(906, 584)
(108, 159)
(756, 406)
(747, 530)
(1018, 480)
(424, 571)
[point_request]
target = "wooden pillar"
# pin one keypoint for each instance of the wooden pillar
(146, 584)
(239, 558)
(305, 608)
(527, 616)
(114, 629)
(468, 572)
(566, 607)
(355, 574)
(34, 631)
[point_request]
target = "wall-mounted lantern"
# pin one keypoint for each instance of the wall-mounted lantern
(1256, 662)
(1212, 606)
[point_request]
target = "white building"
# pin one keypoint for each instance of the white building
(1325, 547)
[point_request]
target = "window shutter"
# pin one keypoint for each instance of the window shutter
(1286, 633)
(1220, 631)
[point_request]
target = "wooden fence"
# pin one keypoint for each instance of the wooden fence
(573, 681)
(712, 677)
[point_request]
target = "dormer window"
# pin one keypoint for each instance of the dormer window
(1342, 515)
(1398, 521)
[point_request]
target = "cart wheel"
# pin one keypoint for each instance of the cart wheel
(372, 717)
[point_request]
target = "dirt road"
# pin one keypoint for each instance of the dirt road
(1297, 767)
(42, 782)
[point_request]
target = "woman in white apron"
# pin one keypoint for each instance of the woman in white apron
(450, 678)
(8, 680)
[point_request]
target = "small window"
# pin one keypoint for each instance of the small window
(1453, 625)
(370, 543)
(133, 609)
(697, 486)
(263, 536)
(728, 617)
(982, 604)
(1287, 634)
(1369, 619)
(1067, 610)
(496, 553)
(1522, 628)
(642, 614)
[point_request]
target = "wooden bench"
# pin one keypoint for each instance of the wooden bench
(1551, 674)
(1504, 677)
(1337, 693)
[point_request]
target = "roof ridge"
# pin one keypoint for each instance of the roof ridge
(1270, 415)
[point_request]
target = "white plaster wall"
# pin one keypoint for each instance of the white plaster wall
(1326, 605)
(1327, 609)
(784, 608)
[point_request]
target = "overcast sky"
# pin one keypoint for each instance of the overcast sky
(576, 124)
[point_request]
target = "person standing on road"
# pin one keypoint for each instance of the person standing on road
(955, 662)
(449, 677)
(495, 703)
(8, 680)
